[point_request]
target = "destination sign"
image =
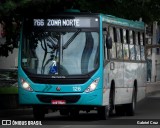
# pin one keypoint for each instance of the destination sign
(76, 22)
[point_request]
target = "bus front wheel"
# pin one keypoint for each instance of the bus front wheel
(103, 112)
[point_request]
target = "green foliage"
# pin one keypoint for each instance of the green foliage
(8, 90)
(11, 24)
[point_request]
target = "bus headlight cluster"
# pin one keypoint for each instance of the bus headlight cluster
(93, 85)
(25, 85)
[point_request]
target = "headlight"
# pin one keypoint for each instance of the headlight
(93, 85)
(25, 85)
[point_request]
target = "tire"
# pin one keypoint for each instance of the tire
(130, 108)
(39, 113)
(103, 112)
(112, 102)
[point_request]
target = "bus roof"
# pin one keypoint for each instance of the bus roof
(123, 22)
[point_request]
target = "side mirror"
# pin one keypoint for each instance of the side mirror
(109, 42)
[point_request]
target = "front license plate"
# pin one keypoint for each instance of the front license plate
(59, 102)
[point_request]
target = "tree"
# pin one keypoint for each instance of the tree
(12, 11)
(11, 24)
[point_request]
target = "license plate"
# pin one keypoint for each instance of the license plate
(59, 102)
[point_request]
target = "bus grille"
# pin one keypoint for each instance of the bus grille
(68, 98)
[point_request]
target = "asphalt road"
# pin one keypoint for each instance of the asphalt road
(148, 110)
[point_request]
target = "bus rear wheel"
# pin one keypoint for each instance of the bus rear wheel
(130, 108)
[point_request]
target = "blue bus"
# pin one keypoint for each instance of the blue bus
(74, 61)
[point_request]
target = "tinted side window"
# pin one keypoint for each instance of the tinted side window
(131, 37)
(125, 51)
(142, 46)
(119, 44)
(125, 45)
(131, 45)
(132, 51)
(137, 48)
(113, 50)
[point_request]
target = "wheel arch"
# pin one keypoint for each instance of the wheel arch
(135, 87)
(112, 86)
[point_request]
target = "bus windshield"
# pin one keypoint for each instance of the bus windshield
(60, 52)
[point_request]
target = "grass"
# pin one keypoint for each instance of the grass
(8, 90)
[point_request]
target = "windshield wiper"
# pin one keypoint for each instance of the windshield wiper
(71, 39)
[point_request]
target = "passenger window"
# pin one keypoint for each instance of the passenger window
(115, 34)
(105, 32)
(121, 35)
(131, 45)
(142, 53)
(119, 44)
(142, 46)
(131, 37)
(119, 51)
(141, 39)
(124, 36)
(105, 48)
(136, 38)
(111, 33)
(132, 51)
(125, 51)
(125, 46)
(137, 52)
(127, 37)
(118, 36)
(113, 50)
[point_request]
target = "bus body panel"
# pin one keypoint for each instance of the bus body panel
(124, 73)
(141, 93)
(113, 71)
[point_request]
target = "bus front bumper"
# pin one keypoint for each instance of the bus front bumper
(93, 98)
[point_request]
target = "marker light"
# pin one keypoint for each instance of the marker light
(25, 85)
(93, 85)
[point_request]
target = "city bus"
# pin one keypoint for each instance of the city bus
(76, 61)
